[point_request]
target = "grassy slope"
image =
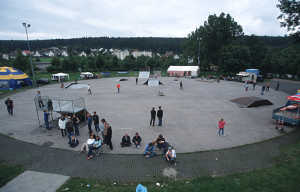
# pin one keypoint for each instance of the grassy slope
(283, 176)
(8, 172)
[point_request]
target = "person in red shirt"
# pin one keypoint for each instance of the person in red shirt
(221, 126)
(118, 86)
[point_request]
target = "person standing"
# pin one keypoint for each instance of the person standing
(153, 114)
(254, 84)
(69, 127)
(62, 125)
(263, 89)
(9, 105)
(181, 85)
(136, 81)
(221, 126)
(160, 114)
(39, 98)
(118, 87)
(90, 121)
(268, 87)
(277, 86)
(107, 133)
(96, 122)
(76, 121)
(89, 89)
(46, 119)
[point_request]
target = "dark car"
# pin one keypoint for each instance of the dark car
(43, 81)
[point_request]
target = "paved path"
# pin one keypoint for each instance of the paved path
(190, 115)
(32, 181)
(135, 167)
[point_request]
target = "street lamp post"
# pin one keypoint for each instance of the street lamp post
(199, 39)
(26, 25)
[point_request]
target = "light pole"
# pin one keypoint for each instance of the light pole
(199, 39)
(26, 25)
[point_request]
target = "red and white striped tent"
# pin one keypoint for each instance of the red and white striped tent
(294, 97)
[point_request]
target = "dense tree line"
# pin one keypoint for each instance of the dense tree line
(221, 45)
(155, 44)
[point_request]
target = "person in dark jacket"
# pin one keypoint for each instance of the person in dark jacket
(160, 114)
(76, 121)
(9, 105)
(137, 140)
(96, 122)
(90, 121)
(70, 130)
(108, 138)
(126, 142)
(153, 114)
(74, 142)
(46, 119)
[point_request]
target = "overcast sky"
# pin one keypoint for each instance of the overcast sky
(130, 18)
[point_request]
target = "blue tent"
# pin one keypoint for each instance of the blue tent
(11, 78)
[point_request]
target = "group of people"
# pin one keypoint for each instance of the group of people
(93, 143)
(104, 129)
(136, 140)
(69, 126)
(161, 143)
(159, 115)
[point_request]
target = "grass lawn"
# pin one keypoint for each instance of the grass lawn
(283, 176)
(8, 172)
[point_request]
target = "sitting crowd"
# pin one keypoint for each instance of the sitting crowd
(161, 143)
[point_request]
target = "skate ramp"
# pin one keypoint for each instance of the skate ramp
(247, 102)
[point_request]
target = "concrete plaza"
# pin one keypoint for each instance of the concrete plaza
(190, 115)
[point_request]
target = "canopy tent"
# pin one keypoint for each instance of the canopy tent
(183, 71)
(11, 78)
(60, 76)
(294, 97)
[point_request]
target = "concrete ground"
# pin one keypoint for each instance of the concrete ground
(32, 181)
(190, 115)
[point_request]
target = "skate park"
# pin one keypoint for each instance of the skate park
(190, 117)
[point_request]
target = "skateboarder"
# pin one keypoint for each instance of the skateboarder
(118, 87)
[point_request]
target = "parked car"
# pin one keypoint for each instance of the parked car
(43, 81)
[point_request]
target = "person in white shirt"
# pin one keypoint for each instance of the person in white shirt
(171, 155)
(62, 125)
(89, 89)
(85, 146)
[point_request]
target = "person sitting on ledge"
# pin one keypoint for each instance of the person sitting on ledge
(90, 141)
(149, 150)
(74, 142)
(170, 155)
(96, 144)
(125, 141)
(161, 143)
(137, 140)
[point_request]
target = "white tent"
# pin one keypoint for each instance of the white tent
(183, 71)
(60, 76)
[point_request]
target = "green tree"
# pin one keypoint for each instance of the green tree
(234, 58)
(290, 15)
(217, 32)
(21, 62)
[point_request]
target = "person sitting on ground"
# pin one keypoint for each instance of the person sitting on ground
(96, 145)
(125, 141)
(161, 143)
(137, 140)
(149, 150)
(74, 142)
(90, 141)
(170, 155)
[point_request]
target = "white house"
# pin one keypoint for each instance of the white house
(5, 56)
(121, 54)
(64, 53)
(82, 54)
(37, 54)
(137, 54)
(176, 57)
